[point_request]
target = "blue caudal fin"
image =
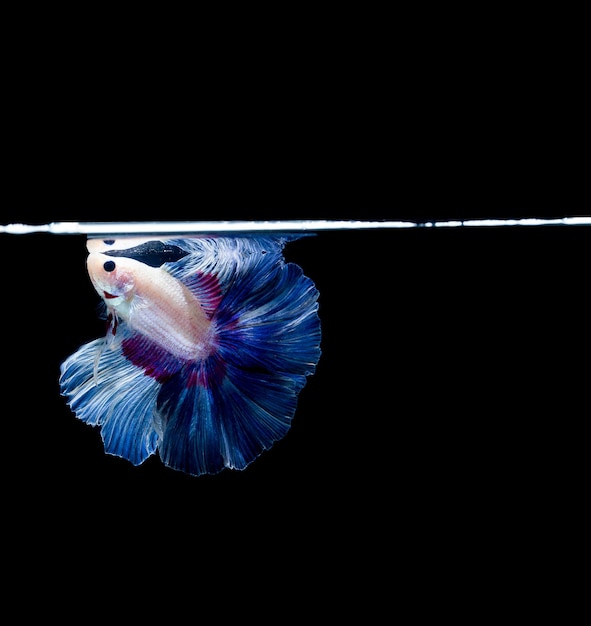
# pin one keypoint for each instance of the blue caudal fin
(225, 411)
(224, 421)
(117, 397)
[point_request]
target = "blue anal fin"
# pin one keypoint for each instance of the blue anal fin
(119, 399)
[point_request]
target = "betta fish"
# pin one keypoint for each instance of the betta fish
(209, 341)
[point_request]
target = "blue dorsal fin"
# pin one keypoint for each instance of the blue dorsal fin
(206, 288)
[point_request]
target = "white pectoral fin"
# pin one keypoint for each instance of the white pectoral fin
(115, 395)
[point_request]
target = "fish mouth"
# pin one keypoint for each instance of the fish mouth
(109, 296)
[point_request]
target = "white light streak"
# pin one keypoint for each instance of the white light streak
(98, 229)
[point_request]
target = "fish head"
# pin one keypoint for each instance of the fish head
(115, 280)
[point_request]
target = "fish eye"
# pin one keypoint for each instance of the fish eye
(108, 242)
(109, 266)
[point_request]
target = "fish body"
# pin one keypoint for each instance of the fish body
(209, 342)
(152, 302)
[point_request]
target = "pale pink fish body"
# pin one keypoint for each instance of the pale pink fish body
(153, 303)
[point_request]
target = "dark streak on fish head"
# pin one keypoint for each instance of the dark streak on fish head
(152, 252)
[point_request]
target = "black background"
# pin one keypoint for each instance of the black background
(445, 426)
(450, 396)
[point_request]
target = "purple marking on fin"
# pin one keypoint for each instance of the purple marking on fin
(154, 360)
(206, 288)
